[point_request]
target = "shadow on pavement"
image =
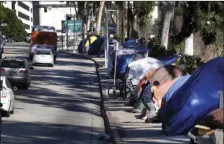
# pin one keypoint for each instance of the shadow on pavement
(45, 133)
(70, 86)
(70, 90)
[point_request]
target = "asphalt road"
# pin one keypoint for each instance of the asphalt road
(60, 107)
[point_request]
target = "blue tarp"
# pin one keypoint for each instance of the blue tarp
(169, 60)
(127, 51)
(81, 45)
(124, 59)
(131, 43)
(96, 46)
(181, 80)
(195, 99)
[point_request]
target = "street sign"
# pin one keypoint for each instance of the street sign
(72, 26)
(78, 26)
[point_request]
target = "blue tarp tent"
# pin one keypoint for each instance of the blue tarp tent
(195, 99)
(96, 46)
(169, 60)
(181, 80)
(81, 46)
(125, 55)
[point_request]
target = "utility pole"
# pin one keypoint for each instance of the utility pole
(128, 21)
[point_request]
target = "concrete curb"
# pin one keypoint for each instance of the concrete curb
(109, 123)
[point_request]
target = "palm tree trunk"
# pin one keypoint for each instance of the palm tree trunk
(189, 45)
(99, 16)
(169, 11)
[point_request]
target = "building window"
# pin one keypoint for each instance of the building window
(31, 10)
(21, 4)
(13, 5)
(24, 16)
(27, 26)
(31, 19)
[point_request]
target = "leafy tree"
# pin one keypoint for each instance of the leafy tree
(140, 10)
(204, 17)
(15, 28)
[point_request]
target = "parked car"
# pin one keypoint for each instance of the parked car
(7, 40)
(17, 70)
(7, 97)
(1, 47)
(43, 56)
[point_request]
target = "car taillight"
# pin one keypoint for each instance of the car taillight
(2, 70)
(22, 71)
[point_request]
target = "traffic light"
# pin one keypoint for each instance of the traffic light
(68, 18)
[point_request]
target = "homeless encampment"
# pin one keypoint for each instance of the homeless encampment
(84, 45)
(139, 68)
(125, 55)
(95, 48)
(160, 75)
(195, 99)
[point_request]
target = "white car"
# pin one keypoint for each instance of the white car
(7, 97)
(43, 56)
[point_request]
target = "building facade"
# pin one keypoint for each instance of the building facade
(24, 11)
(51, 14)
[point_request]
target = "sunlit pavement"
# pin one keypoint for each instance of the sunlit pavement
(60, 107)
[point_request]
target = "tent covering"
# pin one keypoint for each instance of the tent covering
(195, 99)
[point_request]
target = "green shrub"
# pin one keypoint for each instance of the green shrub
(192, 63)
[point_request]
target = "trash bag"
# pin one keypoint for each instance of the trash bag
(195, 99)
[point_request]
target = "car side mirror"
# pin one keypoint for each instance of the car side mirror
(14, 89)
(31, 67)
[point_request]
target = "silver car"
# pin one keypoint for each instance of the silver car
(17, 70)
(43, 56)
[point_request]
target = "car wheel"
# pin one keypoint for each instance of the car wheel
(26, 86)
(12, 111)
(7, 113)
(51, 65)
(55, 58)
(30, 57)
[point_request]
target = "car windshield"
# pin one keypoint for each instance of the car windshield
(43, 53)
(12, 64)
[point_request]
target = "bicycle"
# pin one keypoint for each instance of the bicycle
(119, 90)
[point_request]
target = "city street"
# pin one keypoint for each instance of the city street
(60, 107)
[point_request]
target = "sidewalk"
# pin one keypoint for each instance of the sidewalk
(125, 127)
(122, 126)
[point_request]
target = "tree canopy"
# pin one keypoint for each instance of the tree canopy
(15, 28)
(204, 17)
